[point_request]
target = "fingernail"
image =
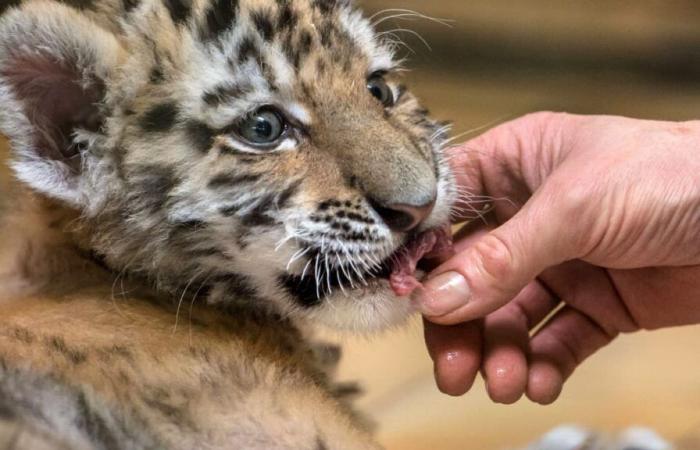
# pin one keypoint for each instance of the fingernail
(442, 294)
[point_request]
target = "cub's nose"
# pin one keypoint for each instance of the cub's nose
(402, 217)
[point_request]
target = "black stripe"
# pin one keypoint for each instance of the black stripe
(239, 285)
(179, 10)
(223, 94)
(227, 149)
(6, 4)
(130, 5)
(151, 186)
(285, 195)
(303, 291)
(287, 19)
(247, 49)
(262, 22)
(325, 6)
(96, 426)
(228, 180)
(204, 252)
(220, 18)
(79, 4)
(200, 135)
(157, 76)
(258, 217)
(303, 48)
(189, 225)
(19, 334)
(160, 118)
(73, 355)
(229, 211)
(326, 31)
(163, 404)
(328, 204)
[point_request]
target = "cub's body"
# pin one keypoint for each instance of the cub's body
(92, 374)
(90, 362)
(196, 183)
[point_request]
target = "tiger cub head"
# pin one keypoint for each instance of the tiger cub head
(259, 150)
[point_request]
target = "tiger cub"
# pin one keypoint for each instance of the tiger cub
(198, 183)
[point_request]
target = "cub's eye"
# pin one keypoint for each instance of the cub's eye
(263, 127)
(378, 88)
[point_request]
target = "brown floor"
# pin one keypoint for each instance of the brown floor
(650, 379)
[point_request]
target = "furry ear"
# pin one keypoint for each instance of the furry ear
(54, 66)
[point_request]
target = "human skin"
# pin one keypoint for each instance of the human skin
(599, 213)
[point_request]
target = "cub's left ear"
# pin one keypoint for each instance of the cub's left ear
(55, 64)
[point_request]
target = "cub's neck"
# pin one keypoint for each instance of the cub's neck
(37, 253)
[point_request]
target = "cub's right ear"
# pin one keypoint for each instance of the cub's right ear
(55, 66)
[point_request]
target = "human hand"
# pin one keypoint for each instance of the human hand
(602, 214)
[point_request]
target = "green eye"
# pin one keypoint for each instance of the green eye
(380, 90)
(263, 127)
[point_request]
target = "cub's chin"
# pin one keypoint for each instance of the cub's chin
(380, 298)
(366, 309)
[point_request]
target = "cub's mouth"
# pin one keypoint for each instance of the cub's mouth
(397, 272)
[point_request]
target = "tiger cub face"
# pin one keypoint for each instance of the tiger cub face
(260, 149)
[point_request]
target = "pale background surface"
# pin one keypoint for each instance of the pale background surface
(504, 58)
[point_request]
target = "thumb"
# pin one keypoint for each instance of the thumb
(497, 266)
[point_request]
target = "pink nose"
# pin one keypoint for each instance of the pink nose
(401, 217)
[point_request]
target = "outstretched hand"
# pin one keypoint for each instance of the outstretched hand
(600, 234)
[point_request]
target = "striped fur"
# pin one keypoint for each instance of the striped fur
(166, 189)
(125, 123)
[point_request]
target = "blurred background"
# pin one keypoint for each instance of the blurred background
(500, 59)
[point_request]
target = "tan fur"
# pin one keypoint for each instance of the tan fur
(194, 379)
(160, 274)
(164, 102)
(129, 355)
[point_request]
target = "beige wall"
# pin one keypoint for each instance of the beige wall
(502, 58)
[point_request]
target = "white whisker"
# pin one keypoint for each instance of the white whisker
(179, 303)
(402, 12)
(306, 267)
(295, 257)
(317, 273)
(328, 274)
(408, 31)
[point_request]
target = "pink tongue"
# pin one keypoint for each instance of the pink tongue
(403, 272)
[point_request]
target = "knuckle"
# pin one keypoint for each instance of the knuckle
(575, 196)
(495, 260)
(543, 120)
(568, 193)
(576, 203)
(540, 117)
